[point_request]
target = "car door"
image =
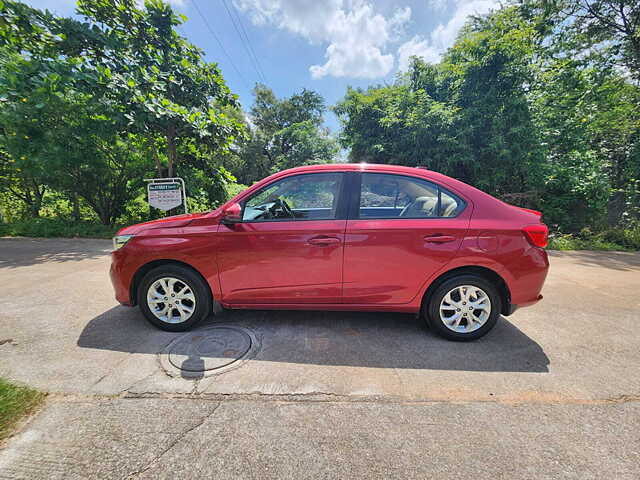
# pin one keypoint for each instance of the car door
(401, 229)
(288, 247)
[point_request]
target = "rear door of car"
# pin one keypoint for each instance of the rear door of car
(401, 229)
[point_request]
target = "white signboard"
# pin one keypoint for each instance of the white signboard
(164, 196)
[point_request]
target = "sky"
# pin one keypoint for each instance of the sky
(322, 45)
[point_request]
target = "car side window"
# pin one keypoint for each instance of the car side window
(312, 196)
(385, 195)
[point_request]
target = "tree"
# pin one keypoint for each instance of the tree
(101, 100)
(59, 137)
(285, 133)
(586, 100)
(467, 116)
(610, 28)
(397, 124)
(169, 91)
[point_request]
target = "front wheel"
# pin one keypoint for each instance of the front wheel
(463, 308)
(174, 298)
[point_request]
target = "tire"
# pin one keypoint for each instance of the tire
(472, 323)
(190, 303)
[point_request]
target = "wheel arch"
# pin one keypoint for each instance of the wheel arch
(147, 267)
(485, 272)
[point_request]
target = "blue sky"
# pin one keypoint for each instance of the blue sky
(323, 45)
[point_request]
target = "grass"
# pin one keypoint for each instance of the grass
(615, 239)
(15, 403)
(49, 227)
(569, 242)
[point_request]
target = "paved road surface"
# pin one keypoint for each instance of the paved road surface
(553, 391)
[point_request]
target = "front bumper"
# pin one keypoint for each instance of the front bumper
(120, 278)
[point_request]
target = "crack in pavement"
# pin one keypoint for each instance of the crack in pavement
(112, 370)
(324, 397)
(172, 444)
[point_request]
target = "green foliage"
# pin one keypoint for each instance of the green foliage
(513, 110)
(169, 90)
(88, 108)
(15, 403)
(55, 227)
(467, 117)
(537, 103)
(286, 133)
(234, 189)
(625, 239)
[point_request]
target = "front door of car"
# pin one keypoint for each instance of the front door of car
(400, 231)
(288, 247)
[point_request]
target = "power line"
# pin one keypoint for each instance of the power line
(248, 40)
(213, 34)
(252, 60)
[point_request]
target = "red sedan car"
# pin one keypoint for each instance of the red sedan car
(340, 237)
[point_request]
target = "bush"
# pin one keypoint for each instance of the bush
(627, 237)
(620, 239)
(234, 189)
(48, 227)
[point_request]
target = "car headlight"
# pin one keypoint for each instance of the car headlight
(120, 241)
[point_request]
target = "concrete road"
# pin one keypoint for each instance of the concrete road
(553, 391)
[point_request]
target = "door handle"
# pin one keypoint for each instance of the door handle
(439, 238)
(324, 241)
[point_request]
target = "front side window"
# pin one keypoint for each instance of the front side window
(312, 196)
(395, 196)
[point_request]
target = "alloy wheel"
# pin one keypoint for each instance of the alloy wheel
(465, 308)
(171, 300)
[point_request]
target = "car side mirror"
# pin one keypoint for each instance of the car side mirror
(232, 214)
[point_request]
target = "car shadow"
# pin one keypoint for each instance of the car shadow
(362, 339)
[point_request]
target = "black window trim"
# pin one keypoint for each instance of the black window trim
(354, 200)
(344, 195)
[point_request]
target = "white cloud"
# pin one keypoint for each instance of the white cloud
(418, 47)
(356, 35)
(438, 5)
(443, 36)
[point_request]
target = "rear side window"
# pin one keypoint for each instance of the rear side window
(384, 195)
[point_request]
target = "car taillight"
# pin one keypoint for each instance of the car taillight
(538, 235)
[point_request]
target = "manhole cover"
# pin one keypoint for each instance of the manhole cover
(209, 351)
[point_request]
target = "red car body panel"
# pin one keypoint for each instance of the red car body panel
(376, 265)
(273, 262)
(385, 261)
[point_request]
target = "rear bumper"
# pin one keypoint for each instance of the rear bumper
(528, 276)
(512, 307)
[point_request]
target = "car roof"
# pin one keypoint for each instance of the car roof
(469, 193)
(380, 168)
(349, 167)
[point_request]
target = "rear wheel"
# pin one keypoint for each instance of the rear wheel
(463, 308)
(174, 298)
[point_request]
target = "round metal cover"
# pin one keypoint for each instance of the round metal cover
(209, 350)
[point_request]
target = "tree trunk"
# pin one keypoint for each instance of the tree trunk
(154, 155)
(76, 207)
(36, 203)
(615, 208)
(172, 153)
(34, 209)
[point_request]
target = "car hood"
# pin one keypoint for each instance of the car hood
(167, 222)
